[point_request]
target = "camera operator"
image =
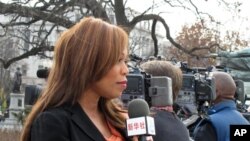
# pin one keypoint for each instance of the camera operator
(167, 124)
(222, 113)
(33, 92)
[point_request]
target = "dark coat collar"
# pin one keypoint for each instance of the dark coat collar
(84, 123)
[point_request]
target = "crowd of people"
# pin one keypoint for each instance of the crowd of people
(81, 99)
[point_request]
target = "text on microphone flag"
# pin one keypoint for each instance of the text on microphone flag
(140, 126)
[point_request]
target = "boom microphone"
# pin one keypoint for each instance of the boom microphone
(139, 123)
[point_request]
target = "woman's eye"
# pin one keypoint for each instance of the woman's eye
(120, 60)
(123, 60)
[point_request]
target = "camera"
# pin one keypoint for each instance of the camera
(157, 91)
(198, 88)
(197, 91)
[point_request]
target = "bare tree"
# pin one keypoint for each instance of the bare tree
(58, 14)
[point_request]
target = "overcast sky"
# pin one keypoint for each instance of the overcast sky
(176, 17)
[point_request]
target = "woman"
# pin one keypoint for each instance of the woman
(89, 70)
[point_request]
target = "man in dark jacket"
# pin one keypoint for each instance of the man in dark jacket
(167, 125)
(223, 112)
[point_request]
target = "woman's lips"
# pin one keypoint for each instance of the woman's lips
(123, 84)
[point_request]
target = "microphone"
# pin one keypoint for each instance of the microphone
(139, 123)
(42, 73)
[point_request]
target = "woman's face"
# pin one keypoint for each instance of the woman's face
(115, 81)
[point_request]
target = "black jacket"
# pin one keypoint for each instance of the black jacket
(169, 127)
(206, 132)
(65, 123)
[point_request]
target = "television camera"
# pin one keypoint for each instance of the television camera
(156, 90)
(198, 89)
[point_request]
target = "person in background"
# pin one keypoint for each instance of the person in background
(167, 125)
(222, 113)
(89, 70)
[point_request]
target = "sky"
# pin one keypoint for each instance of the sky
(177, 17)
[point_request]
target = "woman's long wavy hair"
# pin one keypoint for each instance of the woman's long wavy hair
(83, 55)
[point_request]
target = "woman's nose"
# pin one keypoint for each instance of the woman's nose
(125, 69)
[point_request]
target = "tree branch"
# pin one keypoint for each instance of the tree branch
(154, 38)
(25, 11)
(31, 52)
